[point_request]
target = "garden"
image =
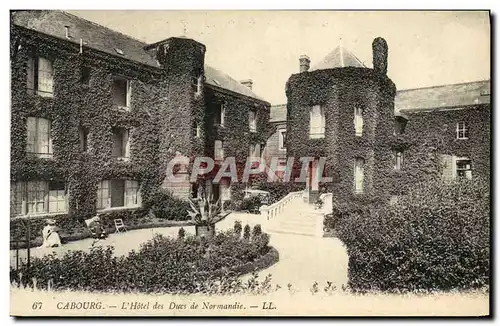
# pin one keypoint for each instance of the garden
(436, 238)
(186, 264)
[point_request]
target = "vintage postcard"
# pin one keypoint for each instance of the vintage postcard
(250, 163)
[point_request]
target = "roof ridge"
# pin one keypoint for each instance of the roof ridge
(444, 85)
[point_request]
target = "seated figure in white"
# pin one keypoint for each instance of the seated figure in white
(50, 236)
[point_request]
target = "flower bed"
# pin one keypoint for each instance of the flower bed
(187, 264)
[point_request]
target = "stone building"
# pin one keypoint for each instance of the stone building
(376, 140)
(97, 116)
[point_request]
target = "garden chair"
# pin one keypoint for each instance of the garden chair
(119, 225)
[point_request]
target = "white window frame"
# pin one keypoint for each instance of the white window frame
(128, 92)
(36, 144)
(281, 139)
(393, 200)
(252, 120)
(398, 160)
(358, 121)
(41, 83)
(462, 130)
(455, 171)
(359, 175)
(125, 144)
(222, 113)
(316, 124)
(131, 195)
(198, 84)
(218, 150)
(37, 198)
(254, 152)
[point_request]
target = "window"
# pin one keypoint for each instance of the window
(218, 151)
(463, 169)
(317, 122)
(282, 139)
(84, 134)
(118, 193)
(197, 83)
(398, 160)
(121, 143)
(358, 174)
(358, 121)
(220, 114)
(39, 140)
(462, 131)
(254, 151)
(399, 126)
(121, 92)
(85, 75)
(38, 197)
(198, 130)
(39, 76)
(252, 120)
(393, 200)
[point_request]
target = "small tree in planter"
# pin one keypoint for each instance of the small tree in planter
(204, 214)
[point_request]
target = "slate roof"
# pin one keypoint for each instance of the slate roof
(338, 58)
(53, 22)
(277, 113)
(433, 98)
(443, 97)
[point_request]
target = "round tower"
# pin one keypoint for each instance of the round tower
(343, 111)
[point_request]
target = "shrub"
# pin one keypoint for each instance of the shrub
(278, 190)
(250, 203)
(169, 207)
(182, 233)
(161, 264)
(237, 228)
(435, 238)
(246, 232)
(257, 230)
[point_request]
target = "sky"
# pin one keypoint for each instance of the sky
(425, 48)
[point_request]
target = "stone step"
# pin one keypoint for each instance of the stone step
(292, 231)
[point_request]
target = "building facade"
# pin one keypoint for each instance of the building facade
(96, 116)
(379, 142)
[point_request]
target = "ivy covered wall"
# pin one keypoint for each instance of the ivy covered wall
(162, 119)
(339, 91)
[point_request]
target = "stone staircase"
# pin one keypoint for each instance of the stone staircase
(298, 217)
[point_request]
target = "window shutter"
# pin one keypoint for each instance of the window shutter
(129, 92)
(126, 143)
(30, 72)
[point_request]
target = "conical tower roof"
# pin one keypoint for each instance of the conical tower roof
(339, 58)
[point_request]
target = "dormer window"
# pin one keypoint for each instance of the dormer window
(121, 92)
(119, 51)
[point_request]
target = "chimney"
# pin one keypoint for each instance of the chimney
(305, 62)
(380, 53)
(247, 82)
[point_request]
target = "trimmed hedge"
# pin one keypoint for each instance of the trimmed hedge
(162, 264)
(435, 238)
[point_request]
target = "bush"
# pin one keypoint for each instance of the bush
(435, 238)
(249, 204)
(182, 233)
(237, 228)
(257, 230)
(169, 207)
(278, 190)
(246, 232)
(161, 264)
